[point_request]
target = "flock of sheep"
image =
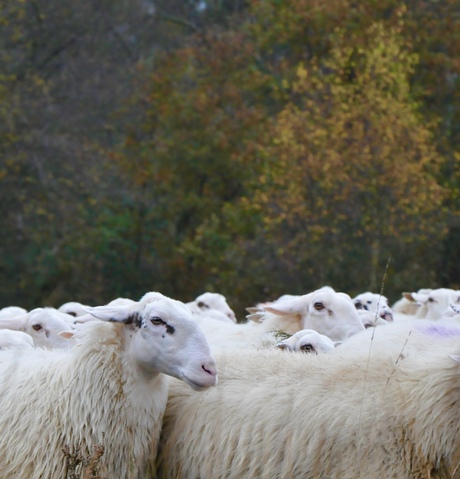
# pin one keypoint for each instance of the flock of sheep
(319, 385)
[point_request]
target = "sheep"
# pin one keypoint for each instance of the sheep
(110, 389)
(452, 313)
(15, 339)
(211, 303)
(436, 303)
(43, 325)
(407, 305)
(400, 339)
(307, 341)
(375, 303)
(11, 311)
(324, 310)
(276, 416)
(74, 308)
(370, 320)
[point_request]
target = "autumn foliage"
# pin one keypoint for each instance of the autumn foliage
(292, 145)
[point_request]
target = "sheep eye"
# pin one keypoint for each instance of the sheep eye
(431, 300)
(37, 327)
(307, 348)
(156, 320)
(202, 305)
(318, 306)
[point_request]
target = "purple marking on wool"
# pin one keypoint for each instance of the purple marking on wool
(441, 331)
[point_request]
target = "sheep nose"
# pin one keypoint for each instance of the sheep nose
(211, 369)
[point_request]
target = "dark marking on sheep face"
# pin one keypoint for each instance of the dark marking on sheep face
(359, 305)
(158, 321)
(134, 319)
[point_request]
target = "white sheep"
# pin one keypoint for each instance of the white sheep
(405, 338)
(407, 305)
(375, 303)
(43, 325)
(276, 416)
(307, 341)
(74, 308)
(452, 313)
(11, 311)
(214, 305)
(436, 303)
(326, 311)
(15, 339)
(110, 389)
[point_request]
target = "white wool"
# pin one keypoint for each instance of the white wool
(404, 338)
(108, 389)
(277, 415)
(81, 398)
(15, 339)
(11, 311)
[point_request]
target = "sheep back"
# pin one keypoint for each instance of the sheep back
(278, 415)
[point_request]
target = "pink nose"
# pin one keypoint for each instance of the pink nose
(211, 369)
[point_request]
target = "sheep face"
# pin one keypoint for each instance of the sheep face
(332, 314)
(45, 326)
(437, 301)
(207, 301)
(165, 340)
(326, 311)
(307, 341)
(375, 303)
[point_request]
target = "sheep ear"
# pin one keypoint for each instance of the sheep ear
(66, 334)
(288, 306)
(256, 317)
(126, 313)
(408, 296)
(420, 297)
(455, 357)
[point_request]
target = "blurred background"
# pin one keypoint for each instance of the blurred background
(252, 148)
